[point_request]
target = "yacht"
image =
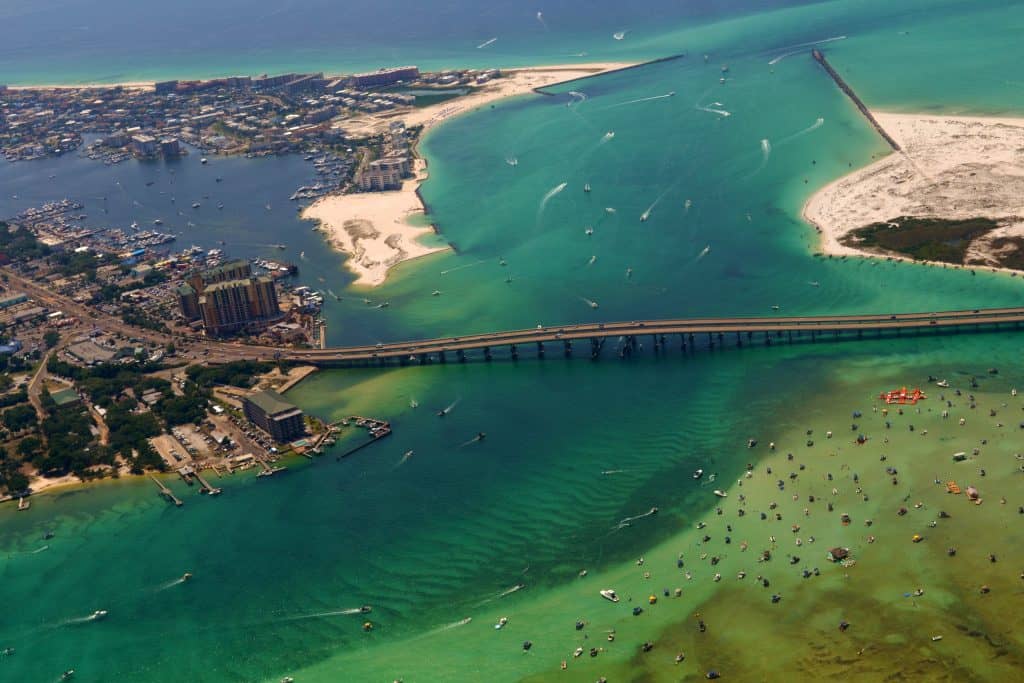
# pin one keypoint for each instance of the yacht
(942, 383)
(589, 231)
(186, 576)
(436, 292)
(619, 35)
(195, 205)
(220, 205)
(158, 222)
(586, 188)
(135, 225)
(720, 493)
(501, 623)
(697, 474)
(99, 614)
(609, 594)
(203, 160)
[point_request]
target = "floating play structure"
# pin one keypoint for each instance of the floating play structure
(902, 396)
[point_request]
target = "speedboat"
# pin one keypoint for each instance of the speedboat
(203, 160)
(436, 292)
(645, 215)
(99, 614)
(720, 493)
(609, 594)
(586, 188)
(942, 383)
(672, 93)
(135, 225)
(195, 205)
(366, 609)
(287, 679)
(67, 674)
(697, 474)
(157, 221)
(589, 231)
(501, 623)
(186, 576)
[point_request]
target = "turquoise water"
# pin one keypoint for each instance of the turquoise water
(439, 537)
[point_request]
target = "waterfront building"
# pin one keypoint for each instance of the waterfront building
(232, 270)
(170, 147)
(144, 145)
(384, 174)
(165, 87)
(188, 300)
(269, 411)
(385, 77)
(239, 305)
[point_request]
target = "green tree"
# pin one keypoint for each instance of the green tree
(51, 338)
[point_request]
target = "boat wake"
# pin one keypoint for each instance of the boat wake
(548, 197)
(540, 18)
(610, 472)
(450, 407)
(607, 136)
(620, 35)
(711, 110)
(512, 161)
(818, 123)
(476, 439)
(629, 520)
(486, 43)
(333, 613)
(171, 584)
(704, 252)
(577, 97)
(505, 593)
(642, 99)
(466, 265)
(79, 621)
(39, 550)
(405, 458)
(454, 624)
(793, 49)
(592, 304)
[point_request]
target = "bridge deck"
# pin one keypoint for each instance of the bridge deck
(947, 320)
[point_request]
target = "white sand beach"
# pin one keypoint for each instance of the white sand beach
(953, 167)
(372, 227)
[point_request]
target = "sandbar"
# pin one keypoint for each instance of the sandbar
(950, 167)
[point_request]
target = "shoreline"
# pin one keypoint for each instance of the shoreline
(371, 228)
(971, 173)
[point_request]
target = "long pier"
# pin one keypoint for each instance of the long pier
(628, 337)
(820, 58)
(166, 492)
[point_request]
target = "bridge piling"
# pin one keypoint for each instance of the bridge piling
(540, 349)
(487, 353)
(461, 355)
(514, 351)
(442, 358)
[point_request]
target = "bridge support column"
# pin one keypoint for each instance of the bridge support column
(487, 353)
(739, 339)
(403, 361)
(767, 338)
(860, 334)
(424, 358)
(567, 344)
(595, 348)
(461, 355)
(441, 357)
(789, 336)
(711, 341)
(540, 349)
(682, 342)
(515, 352)
(814, 336)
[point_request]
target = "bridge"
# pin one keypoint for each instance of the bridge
(628, 338)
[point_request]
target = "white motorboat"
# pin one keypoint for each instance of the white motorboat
(609, 594)
(697, 474)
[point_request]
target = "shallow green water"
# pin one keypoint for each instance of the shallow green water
(440, 537)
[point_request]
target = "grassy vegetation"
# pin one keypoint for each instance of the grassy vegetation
(929, 239)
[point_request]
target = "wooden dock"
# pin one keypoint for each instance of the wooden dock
(378, 429)
(204, 486)
(166, 492)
